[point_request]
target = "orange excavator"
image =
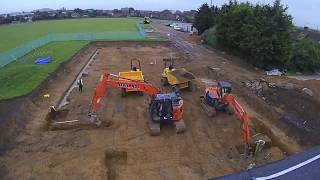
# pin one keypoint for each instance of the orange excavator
(219, 98)
(163, 107)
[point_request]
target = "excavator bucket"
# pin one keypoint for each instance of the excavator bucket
(54, 114)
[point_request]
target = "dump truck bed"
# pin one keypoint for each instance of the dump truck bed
(134, 75)
(182, 75)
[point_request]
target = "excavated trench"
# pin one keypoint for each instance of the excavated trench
(114, 159)
(60, 120)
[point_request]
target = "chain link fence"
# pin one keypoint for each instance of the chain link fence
(18, 52)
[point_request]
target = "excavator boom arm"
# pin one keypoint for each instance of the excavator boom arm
(242, 115)
(106, 80)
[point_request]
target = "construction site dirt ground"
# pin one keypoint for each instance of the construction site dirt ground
(122, 148)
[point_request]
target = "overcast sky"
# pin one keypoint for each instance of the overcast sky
(305, 12)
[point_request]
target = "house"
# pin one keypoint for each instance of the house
(117, 13)
(107, 12)
(15, 22)
(45, 11)
(89, 10)
(75, 15)
(167, 14)
(15, 14)
(125, 11)
(52, 14)
(155, 14)
(2, 18)
(21, 17)
(62, 14)
(143, 13)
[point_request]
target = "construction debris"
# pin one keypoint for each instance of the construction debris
(261, 137)
(85, 73)
(259, 85)
(307, 91)
(251, 165)
(274, 72)
(288, 86)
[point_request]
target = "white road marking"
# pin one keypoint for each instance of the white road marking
(289, 169)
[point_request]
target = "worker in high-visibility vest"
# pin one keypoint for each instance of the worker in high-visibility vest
(80, 84)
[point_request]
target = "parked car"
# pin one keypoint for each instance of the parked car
(177, 28)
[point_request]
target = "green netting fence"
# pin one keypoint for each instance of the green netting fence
(140, 28)
(16, 53)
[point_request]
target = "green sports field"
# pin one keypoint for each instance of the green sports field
(17, 34)
(22, 76)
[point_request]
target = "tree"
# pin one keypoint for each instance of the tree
(203, 18)
(93, 13)
(305, 55)
(167, 14)
(78, 10)
(8, 19)
(41, 15)
(262, 33)
(131, 10)
(188, 16)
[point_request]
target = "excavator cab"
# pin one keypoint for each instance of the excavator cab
(213, 101)
(162, 105)
(224, 88)
(166, 108)
(211, 98)
(162, 110)
(168, 64)
(135, 65)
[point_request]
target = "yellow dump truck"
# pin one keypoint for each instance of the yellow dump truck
(177, 78)
(135, 73)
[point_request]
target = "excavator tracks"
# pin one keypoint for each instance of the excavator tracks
(154, 128)
(180, 126)
(211, 112)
